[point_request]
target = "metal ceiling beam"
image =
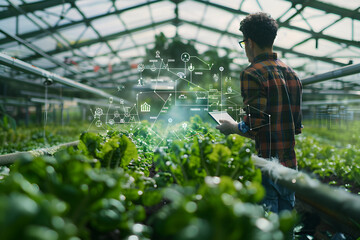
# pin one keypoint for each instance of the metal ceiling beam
(340, 72)
(31, 7)
(74, 23)
(37, 50)
(276, 48)
(105, 38)
(329, 8)
(331, 92)
(25, 67)
(20, 80)
(329, 102)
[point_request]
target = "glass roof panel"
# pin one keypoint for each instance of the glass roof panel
(196, 12)
(123, 42)
(188, 31)
(216, 18)
(324, 47)
(250, 6)
(94, 7)
(45, 44)
(191, 11)
(108, 25)
(43, 63)
(235, 25)
(18, 51)
(162, 11)
(51, 15)
(128, 3)
(73, 34)
(230, 42)
(95, 49)
(137, 18)
(208, 37)
(317, 19)
(144, 37)
(168, 30)
(8, 25)
(287, 38)
(25, 25)
(275, 7)
(235, 4)
(342, 29)
(134, 52)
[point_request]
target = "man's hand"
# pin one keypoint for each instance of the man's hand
(228, 127)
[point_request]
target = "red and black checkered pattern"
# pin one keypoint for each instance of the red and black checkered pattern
(272, 93)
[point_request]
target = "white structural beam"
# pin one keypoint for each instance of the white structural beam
(49, 76)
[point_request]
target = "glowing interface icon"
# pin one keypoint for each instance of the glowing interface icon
(191, 67)
(98, 112)
(98, 123)
(145, 107)
(185, 57)
(141, 67)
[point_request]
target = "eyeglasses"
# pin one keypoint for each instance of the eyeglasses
(242, 43)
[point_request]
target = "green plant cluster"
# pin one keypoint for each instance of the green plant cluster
(26, 139)
(111, 186)
(339, 166)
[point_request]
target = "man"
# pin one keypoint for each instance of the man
(271, 94)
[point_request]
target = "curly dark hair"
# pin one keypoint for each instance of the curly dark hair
(260, 27)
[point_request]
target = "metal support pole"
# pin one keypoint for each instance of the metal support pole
(341, 208)
(25, 67)
(340, 72)
(62, 114)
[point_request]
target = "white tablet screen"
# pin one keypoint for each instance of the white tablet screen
(221, 116)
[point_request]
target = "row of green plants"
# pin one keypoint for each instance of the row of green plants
(198, 185)
(28, 138)
(334, 162)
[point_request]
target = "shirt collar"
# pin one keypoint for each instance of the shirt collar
(265, 56)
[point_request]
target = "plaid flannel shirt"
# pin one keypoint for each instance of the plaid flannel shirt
(272, 95)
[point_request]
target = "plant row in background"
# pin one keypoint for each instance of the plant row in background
(112, 187)
(336, 165)
(26, 139)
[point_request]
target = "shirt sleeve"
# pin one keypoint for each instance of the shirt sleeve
(296, 100)
(255, 102)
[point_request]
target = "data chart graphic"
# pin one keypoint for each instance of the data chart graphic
(170, 91)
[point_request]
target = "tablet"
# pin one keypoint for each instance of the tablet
(221, 116)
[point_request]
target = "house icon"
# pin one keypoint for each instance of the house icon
(145, 107)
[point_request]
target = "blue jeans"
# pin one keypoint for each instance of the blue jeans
(277, 197)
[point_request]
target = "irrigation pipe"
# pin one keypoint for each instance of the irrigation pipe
(8, 159)
(334, 204)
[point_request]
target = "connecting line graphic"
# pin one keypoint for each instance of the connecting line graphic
(159, 96)
(160, 111)
(176, 135)
(192, 83)
(161, 138)
(251, 128)
(107, 113)
(162, 61)
(203, 62)
(238, 95)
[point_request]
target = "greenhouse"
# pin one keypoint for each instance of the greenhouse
(180, 119)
